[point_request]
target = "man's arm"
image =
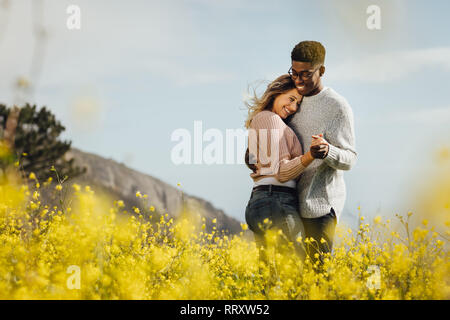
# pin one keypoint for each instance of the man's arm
(340, 136)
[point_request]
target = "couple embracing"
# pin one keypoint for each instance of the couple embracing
(301, 139)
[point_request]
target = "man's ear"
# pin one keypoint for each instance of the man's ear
(322, 70)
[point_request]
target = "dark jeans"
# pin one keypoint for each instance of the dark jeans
(320, 228)
(281, 209)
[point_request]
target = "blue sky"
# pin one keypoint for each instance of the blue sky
(138, 70)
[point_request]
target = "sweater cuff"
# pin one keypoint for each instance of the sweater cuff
(333, 153)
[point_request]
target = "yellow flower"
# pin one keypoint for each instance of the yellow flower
(120, 204)
(136, 210)
(76, 187)
(33, 205)
(244, 226)
(152, 208)
(138, 194)
(32, 176)
(214, 220)
(58, 187)
(395, 234)
(377, 220)
(425, 222)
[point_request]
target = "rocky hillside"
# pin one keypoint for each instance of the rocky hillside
(120, 182)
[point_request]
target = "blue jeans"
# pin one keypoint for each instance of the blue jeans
(281, 209)
(318, 229)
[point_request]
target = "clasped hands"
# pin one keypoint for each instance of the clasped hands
(318, 150)
(319, 147)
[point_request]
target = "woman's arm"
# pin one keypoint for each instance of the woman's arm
(276, 160)
(291, 168)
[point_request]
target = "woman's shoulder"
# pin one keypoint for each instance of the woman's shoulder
(266, 119)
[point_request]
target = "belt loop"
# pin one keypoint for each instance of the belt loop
(270, 189)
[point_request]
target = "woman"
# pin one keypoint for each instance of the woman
(274, 199)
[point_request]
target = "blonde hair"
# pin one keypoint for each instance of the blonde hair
(257, 104)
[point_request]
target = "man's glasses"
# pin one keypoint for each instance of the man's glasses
(305, 75)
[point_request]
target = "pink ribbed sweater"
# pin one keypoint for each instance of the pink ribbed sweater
(288, 164)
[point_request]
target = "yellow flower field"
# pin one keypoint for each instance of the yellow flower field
(90, 248)
(92, 251)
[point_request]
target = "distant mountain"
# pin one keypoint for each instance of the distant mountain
(120, 182)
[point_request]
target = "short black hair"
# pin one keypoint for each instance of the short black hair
(309, 51)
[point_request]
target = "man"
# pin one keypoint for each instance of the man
(321, 185)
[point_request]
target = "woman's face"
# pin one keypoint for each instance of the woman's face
(286, 103)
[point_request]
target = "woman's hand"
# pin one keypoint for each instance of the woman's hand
(318, 139)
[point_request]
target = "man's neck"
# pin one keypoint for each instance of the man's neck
(316, 90)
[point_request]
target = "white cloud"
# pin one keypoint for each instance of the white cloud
(422, 118)
(116, 40)
(428, 116)
(391, 66)
(230, 4)
(185, 75)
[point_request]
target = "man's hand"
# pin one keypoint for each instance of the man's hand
(251, 166)
(319, 147)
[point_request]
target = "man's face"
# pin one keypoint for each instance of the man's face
(308, 77)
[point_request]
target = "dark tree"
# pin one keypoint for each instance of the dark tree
(33, 137)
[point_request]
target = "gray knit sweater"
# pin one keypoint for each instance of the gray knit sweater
(321, 186)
